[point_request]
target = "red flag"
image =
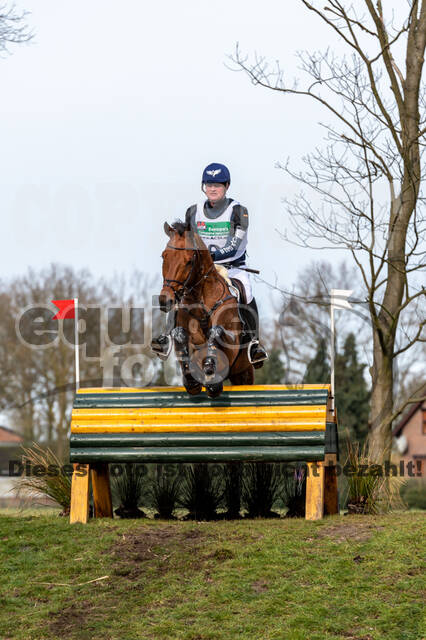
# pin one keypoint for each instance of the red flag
(66, 309)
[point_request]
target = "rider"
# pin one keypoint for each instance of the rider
(222, 223)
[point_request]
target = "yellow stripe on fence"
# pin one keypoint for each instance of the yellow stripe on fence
(291, 418)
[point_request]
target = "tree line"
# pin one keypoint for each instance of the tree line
(37, 368)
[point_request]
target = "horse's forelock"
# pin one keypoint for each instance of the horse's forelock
(193, 238)
(180, 227)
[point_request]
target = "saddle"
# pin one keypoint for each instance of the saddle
(242, 299)
(237, 289)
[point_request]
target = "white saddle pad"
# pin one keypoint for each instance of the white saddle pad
(223, 271)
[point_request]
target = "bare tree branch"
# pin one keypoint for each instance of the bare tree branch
(13, 28)
(366, 183)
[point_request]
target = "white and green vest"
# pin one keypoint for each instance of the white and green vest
(215, 232)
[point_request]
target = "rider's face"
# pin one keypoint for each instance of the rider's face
(215, 191)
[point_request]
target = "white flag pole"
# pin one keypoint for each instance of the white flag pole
(338, 300)
(76, 348)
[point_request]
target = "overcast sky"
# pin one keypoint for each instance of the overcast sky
(109, 116)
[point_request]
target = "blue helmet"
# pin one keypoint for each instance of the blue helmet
(216, 172)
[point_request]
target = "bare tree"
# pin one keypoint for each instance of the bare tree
(37, 360)
(368, 178)
(303, 319)
(13, 27)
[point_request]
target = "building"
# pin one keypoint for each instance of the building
(10, 449)
(410, 438)
(10, 443)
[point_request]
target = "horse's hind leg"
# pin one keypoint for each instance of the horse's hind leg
(180, 340)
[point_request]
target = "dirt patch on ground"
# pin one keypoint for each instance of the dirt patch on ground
(259, 586)
(76, 621)
(135, 556)
(157, 546)
(352, 635)
(348, 531)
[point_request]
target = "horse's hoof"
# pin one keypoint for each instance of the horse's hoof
(214, 390)
(194, 389)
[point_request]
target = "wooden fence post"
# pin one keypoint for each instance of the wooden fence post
(79, 510)
(315, 491)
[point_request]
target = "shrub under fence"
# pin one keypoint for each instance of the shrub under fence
(210, 491)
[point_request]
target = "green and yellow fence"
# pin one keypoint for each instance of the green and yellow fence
(271, 423)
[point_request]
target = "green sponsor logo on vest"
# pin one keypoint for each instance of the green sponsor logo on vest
(213, 229)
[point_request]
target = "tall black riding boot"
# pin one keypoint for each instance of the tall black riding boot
(257, 353)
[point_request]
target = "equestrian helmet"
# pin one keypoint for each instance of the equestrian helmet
(216, 172)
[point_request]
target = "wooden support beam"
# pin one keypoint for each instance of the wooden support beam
(315, 491)
(331, 495)
(331, 415)
(79, 510)
(102, 501)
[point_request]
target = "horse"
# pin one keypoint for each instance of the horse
(208, 336)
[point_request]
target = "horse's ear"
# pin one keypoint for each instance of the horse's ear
(188, 225)
(167, 229)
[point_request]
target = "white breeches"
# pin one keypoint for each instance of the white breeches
(244, 277)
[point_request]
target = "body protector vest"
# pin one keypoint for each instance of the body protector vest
(215, 232)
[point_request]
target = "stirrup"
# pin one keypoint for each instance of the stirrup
(261, 357)
(165, 349)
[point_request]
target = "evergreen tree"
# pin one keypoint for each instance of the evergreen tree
(318, 369)
(352, 394)
(272, 371)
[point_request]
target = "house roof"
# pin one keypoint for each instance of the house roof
(401, 424)
(9, 436)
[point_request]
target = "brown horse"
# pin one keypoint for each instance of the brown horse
(208, 334)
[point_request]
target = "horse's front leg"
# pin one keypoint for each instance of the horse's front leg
(180, 338)
(215, 340)
(216, 362)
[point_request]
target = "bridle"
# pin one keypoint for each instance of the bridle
(184, 289)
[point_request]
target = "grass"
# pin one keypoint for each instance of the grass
(350, 577)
